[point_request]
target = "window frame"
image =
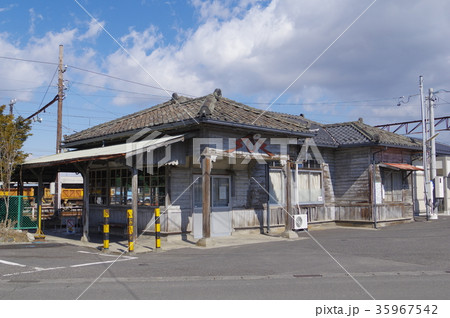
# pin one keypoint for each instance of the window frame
(310, 172)
(116, 186)
(295, 197)
(212, 205)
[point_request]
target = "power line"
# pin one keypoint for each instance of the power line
(117, 90)
(26, 60)
(92, 72)
(43, 108)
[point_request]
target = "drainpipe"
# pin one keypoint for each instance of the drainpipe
(268, 196)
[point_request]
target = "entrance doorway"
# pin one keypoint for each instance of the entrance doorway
(220, 206)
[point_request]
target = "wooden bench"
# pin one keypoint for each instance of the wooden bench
(115, 229)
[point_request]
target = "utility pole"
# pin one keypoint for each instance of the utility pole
(61, 70)
(434, 212)
(424, 150)
(11, 106)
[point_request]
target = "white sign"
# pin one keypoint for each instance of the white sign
(378, 193)
(222, 192)
(70, 226)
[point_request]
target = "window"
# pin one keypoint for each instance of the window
(198, 192)
(309, 187)
(220, 191)
(120, 189)
(97, 188)
(392, 185)
(151, 187)
(276, 187)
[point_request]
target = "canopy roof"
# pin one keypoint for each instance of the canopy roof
(102, 153)
(400, 166)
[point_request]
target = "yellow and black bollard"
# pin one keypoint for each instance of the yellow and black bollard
(106, 229)
(158, 228)
(130, 231)
(39, 234)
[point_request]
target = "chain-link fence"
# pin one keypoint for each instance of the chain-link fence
(22, 211)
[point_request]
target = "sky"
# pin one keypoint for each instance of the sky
(333, 61)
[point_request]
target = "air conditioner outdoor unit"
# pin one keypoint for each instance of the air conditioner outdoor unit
(300, 222)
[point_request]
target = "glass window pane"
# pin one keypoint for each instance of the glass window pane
(303, 187)
(276, 187)
(198, 192)
(315, 185)
(220, 192)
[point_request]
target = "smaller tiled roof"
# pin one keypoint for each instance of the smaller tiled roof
(354, 133)
(358, 133)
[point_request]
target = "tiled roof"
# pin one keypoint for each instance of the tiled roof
(322, 136)
(223, 111)
(186, 110)
(354, 133)
(358, 133)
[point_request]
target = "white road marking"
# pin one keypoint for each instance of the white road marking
(42, 269)
(98, 263)
(11, 263)
(108, 255)
(36, 269)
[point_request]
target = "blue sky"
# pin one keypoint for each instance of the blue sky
(253, 50)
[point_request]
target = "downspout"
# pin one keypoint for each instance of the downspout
(268, 196)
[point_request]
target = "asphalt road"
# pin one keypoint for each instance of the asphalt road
(407, 261)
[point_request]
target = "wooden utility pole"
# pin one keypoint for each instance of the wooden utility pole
(206, 204)
(61, 71)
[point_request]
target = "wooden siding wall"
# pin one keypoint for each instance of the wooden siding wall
(351, 178)
(180, 180)
(346, 183)
(256, 191)
(329, 172)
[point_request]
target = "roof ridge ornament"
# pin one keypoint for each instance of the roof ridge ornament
(178, 99)
(210, 103)
(217, 93)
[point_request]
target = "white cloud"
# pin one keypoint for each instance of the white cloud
(94, 30)
(18, 76)
(258, 49)
(7, 8)
(255, 49)
(33, 18)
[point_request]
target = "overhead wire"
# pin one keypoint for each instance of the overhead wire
(116, 90)
(189, 95)
(48, 87)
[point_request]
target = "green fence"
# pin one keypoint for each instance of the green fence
(21, 210)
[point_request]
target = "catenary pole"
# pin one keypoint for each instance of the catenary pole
(424, 149)
(434, 212)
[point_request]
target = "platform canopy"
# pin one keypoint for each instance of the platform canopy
(102, 153)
